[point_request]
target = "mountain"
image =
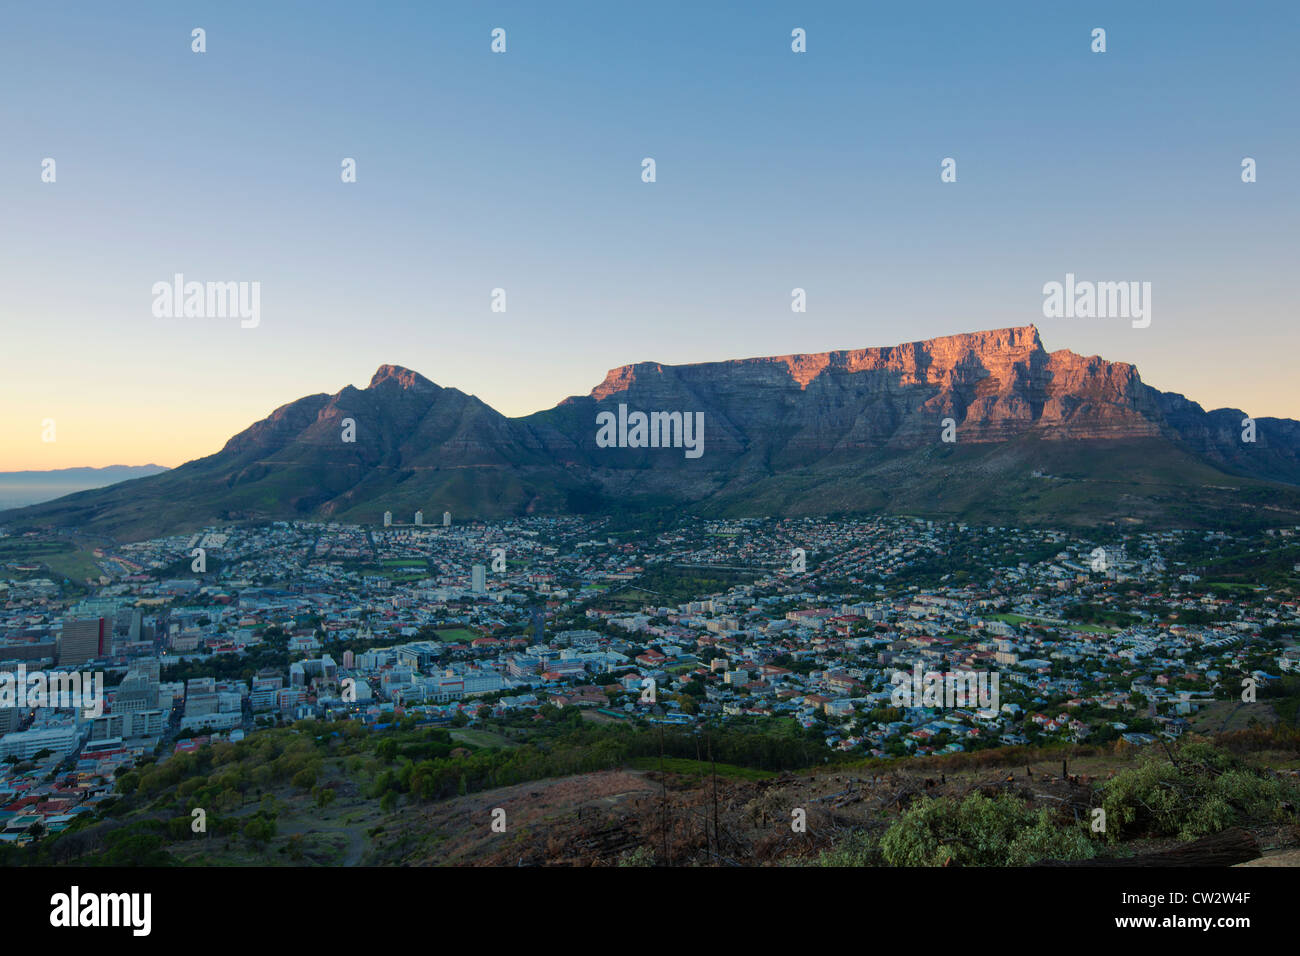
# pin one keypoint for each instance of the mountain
(20, 488)
(1040, 438)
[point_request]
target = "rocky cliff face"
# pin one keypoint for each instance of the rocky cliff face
(833, 431)
(997, 385)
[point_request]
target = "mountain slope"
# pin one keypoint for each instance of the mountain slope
(1041, 437)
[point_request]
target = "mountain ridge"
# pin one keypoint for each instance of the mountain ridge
(858, 430)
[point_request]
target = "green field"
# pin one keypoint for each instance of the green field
(454, 635)
(63, 558)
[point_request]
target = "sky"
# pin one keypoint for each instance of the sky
(522, 171)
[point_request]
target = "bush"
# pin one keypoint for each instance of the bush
(305, 779)
(641, 856)
(1207, 791)
(979, 831)
(858, 849)
(260, 830)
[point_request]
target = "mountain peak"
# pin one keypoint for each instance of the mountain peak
(404, 377)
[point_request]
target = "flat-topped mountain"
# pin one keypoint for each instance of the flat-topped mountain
(1040, 437)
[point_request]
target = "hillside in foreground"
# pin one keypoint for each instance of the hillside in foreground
(330, 794)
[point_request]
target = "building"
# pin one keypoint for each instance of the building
(10, 718)
(266, 687)
(478, 579)
(214, 721)
(40, 650)
(144, 723)
(25, 744)
(82, 640)
(137, 692)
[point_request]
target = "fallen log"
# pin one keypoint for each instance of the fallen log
(1219, 849)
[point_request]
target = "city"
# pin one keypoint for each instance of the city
(753, 621)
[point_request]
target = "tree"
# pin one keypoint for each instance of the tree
(305, 779)
(260, 830)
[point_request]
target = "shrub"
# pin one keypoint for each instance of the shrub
(860, 848)
(641, 856)
(1207, 791)
(979, 831)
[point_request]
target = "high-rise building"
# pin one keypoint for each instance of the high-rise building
(10, 717)
(388, 519)
(149, 667)
(82, 640)
(446, 519)
(136, 692)
(419, 517)
(478, 581)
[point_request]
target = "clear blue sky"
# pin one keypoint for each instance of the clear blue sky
(522, 171)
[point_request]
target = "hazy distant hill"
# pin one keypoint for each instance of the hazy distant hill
(1041, 438)
(21, 488)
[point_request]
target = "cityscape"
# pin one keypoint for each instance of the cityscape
(793, 628)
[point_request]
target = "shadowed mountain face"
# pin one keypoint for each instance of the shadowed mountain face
(1041, 438)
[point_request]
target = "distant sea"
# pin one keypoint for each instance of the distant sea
(21, 488)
